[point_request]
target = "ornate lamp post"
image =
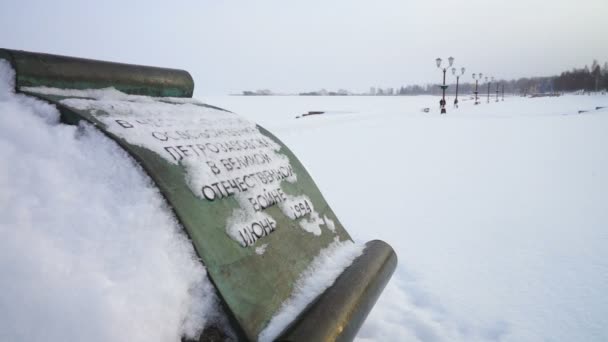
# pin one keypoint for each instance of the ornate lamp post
(457, 78)
(477, 78)
(443, 87)
(491, 80)
(496, 91)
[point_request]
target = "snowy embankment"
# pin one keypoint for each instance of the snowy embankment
(89, 250)
(498, 212)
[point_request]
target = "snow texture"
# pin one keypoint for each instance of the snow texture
(88, 248)
(497, 212)
(261, 250)
(320, 274)
(329, 223)
(110, 94)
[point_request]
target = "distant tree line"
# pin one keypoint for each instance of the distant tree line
(582, 80)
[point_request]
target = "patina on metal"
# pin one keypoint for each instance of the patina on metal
(45, 70)
(339, 312)
(252, 287)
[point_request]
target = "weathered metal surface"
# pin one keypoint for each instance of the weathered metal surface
(340, 311)
(253, 286)
(38, 70)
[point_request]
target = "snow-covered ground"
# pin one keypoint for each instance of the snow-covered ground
(498, 212)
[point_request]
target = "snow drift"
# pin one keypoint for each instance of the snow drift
(88, 248)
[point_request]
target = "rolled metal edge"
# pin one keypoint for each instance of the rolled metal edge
(338, 313)
(45, 70)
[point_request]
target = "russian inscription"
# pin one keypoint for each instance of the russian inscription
(224, 156)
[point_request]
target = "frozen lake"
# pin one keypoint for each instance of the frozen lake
(498, 212)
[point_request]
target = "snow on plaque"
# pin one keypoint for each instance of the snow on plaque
(223, 155)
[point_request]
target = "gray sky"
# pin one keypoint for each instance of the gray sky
(234, 45)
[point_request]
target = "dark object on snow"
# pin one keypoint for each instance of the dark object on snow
(582, 111)
(600, 107)
(426, 110)
(252, 287)
(310, 113)
(545, 95)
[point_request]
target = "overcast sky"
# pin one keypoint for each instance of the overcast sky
(234, 45)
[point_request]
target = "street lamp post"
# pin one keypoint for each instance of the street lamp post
(457, 78)
(491, 79)
(444, 86)
(476, 83)
(496, 91)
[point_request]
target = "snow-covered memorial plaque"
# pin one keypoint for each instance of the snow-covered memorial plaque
(253, 213)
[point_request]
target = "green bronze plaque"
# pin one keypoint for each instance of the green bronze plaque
(253, 213)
